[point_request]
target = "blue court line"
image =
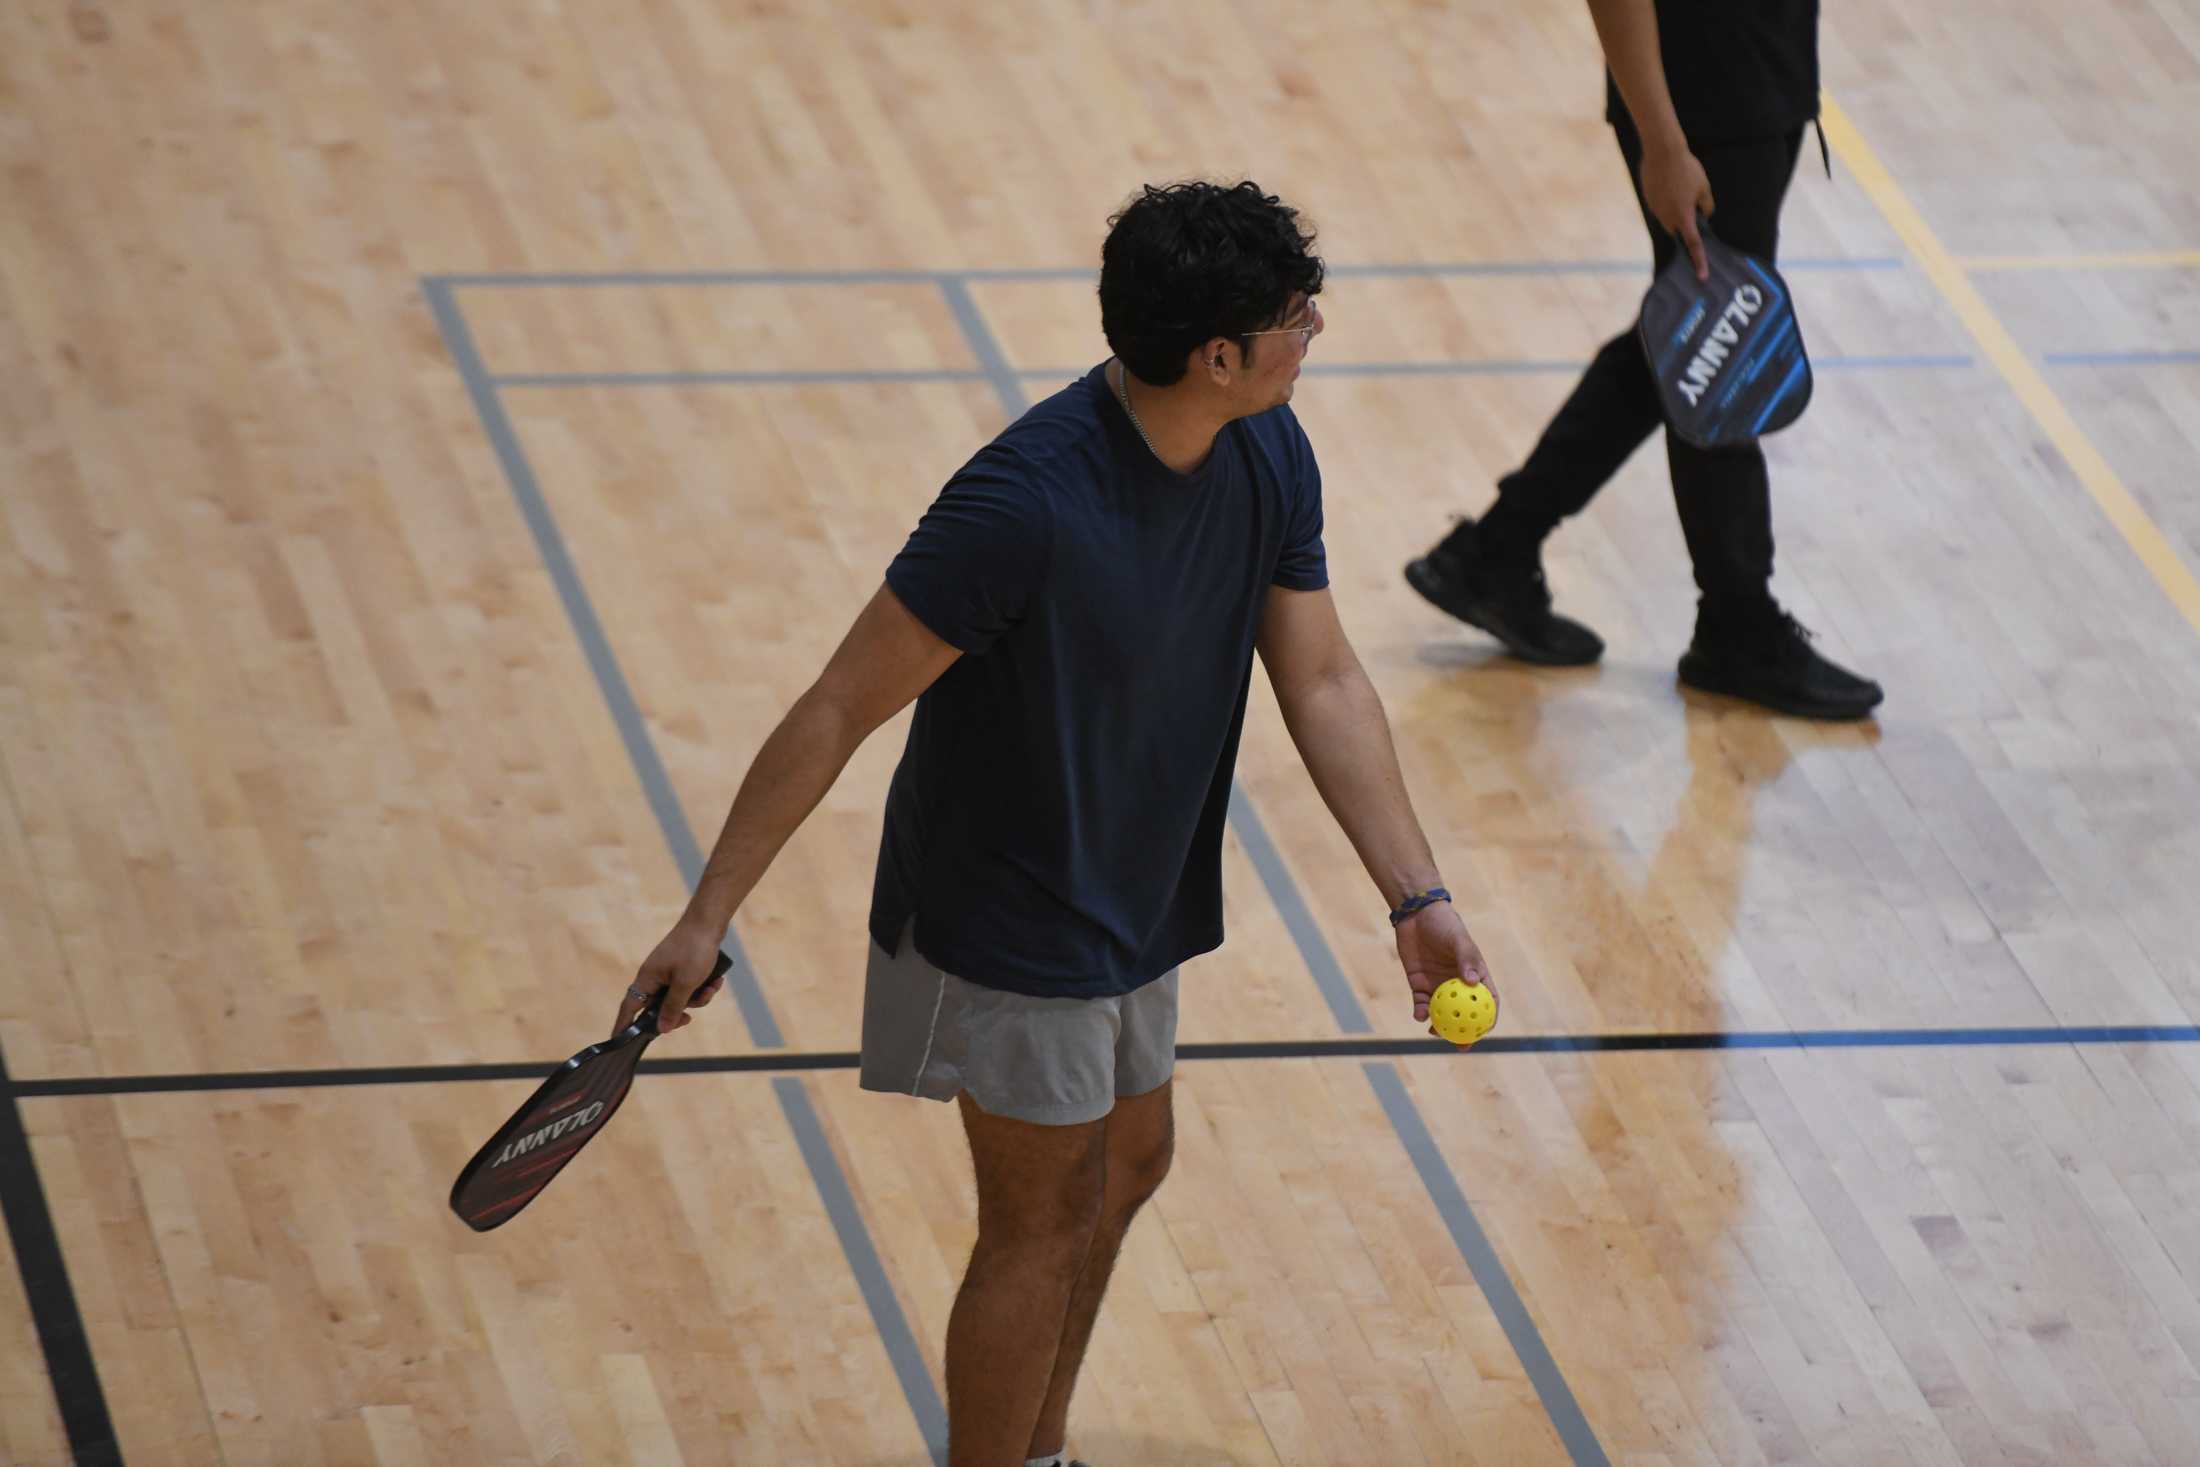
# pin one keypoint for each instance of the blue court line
(1489, 1273)
(825, 1174)
(853, 377)
(2121, 358)
(1011, 275)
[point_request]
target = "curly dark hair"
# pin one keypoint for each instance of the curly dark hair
(1192, 261)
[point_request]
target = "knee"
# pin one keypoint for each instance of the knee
(1136, 1176)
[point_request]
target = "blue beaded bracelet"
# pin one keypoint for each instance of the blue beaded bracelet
(1417, 901)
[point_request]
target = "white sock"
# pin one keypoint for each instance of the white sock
(1059, 1459)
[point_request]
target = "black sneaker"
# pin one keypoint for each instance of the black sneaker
(1772, 663)
(1511, 603)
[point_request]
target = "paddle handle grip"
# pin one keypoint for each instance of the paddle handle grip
(718, 970)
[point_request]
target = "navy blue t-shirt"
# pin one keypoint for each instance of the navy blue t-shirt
(1055, 825)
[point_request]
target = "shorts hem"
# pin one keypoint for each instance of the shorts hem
(1148, 1089)
(1078, 1113)
(900, 1085)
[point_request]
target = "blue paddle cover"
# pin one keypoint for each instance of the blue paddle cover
(1726, 352)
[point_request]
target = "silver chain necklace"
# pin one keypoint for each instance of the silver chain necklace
(1123, 395)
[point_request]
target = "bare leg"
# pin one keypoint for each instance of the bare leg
(1141, 1137)
(1040, 1194)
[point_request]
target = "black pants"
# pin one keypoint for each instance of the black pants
(1724, 496)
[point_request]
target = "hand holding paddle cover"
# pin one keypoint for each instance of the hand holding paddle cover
(1726, 352)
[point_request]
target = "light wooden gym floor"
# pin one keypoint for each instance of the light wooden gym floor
(437, 441)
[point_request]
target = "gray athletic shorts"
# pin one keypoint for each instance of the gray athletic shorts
(1051, 1061)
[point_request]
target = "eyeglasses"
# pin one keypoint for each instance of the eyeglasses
(1304, 333)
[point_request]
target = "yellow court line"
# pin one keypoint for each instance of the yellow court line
(2157, 260)
(2140, 533)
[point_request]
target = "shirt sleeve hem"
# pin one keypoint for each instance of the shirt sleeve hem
(912, 601)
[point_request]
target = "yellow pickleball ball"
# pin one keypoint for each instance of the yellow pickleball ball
(1460, 1011)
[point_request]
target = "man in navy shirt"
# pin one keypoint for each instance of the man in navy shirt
(1709, 99)
(1076, 617)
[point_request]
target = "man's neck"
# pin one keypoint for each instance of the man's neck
(1180, 431)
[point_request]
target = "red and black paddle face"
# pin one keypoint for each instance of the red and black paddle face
(564, 1114)
(1726, 352)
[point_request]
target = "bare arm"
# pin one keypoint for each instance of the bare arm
(1673, 181)
(1628, 30)
(1337, 722)
(887, 658)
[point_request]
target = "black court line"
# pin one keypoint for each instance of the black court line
(781, 1062)
(60, 1324)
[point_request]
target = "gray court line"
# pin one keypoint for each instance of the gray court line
(863, 1261)
(824, 1168)
(1899, 363)
(1633, 266)
(859, 376)
(625, 713)
(735, 379)
(1482, 1261)
(2121, 358)
(1306, 933)
(985, 345)
(688, 277)
(1344, 1004)
(1010, 274)
(1503, 368)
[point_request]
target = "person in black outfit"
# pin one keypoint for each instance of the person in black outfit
(1709, 100)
